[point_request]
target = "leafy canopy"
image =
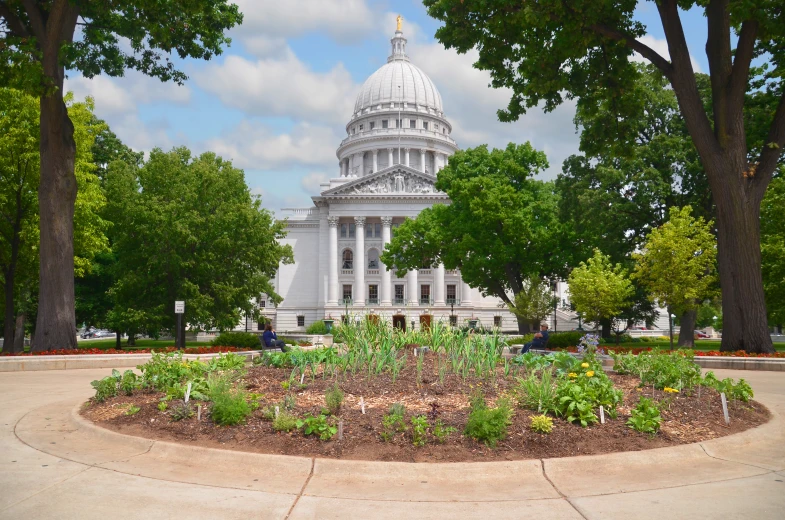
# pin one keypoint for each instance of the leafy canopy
(678, 261)
(599, 290)
(772, 248)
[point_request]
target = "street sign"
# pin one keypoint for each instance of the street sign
(179, 307)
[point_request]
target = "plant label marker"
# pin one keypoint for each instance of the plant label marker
(302, 377)
(362, 405)
(725, 408)
(188, 392)
(199, 412)
(602, 415)
(276, 412)
(340, 430)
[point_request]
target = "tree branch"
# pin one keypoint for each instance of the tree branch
(644, 50)
(13, 22)
(772, 149)
(740, 72)
(36, 19)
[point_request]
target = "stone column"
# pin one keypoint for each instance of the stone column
(439, 160)
(359, 163)
(466, 294)
(414, 289)
(375, 161)
(332, 273)
(359, 261)
(342, 164)
(390, 157)
(438, 293)
(407, 156)
(422, 160)
(386, 273)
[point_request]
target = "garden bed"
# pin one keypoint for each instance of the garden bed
(688, 416)
(97, 351)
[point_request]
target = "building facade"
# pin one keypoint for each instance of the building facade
(397, 140)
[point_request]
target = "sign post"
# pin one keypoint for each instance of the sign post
(179, 310)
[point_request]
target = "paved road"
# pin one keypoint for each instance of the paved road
(55, 465)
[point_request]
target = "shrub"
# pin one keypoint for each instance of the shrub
(334, 398)
(674, 370)
(441, 432)
(229, 408)
(532, 361)
(285, 421)
(227, 361)
(317, 425)
(128, 382)
(740, 391)
(168, 370)
(393, 422)
(488, 425)
(317, 327)
(419, 430)
(542, 424)
(565, 339)
(104, 388)
(245, 340)
(537, 393)
(645, 416)
(181, 410)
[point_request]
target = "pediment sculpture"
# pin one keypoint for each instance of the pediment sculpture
(399, 182)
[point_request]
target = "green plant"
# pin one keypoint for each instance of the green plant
(393, 422)
(104, 388)
(441, 432)
(574, 404)
(285, 421)
(537, 393)
(675, 370)
(162, 406)
(419, 430)
(397, 409)
(645, 417)
(132, 410)
(334, 399)
(542, 424)
(318, 425)
(564, 339)
(129, 382)
(317, 327)
(229, 407)
(244, 340)
(227, 361)
(181, 410)
(488, 425)
(739, 391)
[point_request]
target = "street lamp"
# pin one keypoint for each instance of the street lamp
(714, 325)
(672, 316)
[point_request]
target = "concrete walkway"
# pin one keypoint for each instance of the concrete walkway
(53, 464)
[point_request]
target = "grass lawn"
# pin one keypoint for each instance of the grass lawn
(703, 344)
(140, 343)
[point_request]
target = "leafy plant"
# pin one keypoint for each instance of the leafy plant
(419, 430)
(397, 409)
(645, 417)
(104, 388)
(441, 432)
(317, 327)
(229, 407)
(317, 425)
(132, 410)
(739, 391)
(286, 421)
(162, 406)
(574, 404)
(181, 410)
(542, 424)
(488, 425)
(334, 399)
(129, 382)
(228, 361)
(393, 422)
(537, 393)
(674, 370)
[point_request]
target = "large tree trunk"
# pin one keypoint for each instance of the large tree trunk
(524, 325)
(19, 334)
(687, 328)
(56, 325)
(8, 318)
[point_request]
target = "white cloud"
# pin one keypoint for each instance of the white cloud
(281, 87)
(274, 202)
(311, 182)
(264, 47)
(253, 145)
(123, 95)
(661, 48)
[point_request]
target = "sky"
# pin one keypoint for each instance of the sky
(277, 101)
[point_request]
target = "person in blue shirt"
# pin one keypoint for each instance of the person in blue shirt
(539, 341)
(270, 339)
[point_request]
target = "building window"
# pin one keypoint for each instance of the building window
(384, 123)
(354, 130)
(351, 230)
(412, 123)
(399, 123)
(373, 294)
(453, 320)
(348, 259)
(425, 294)
(343, 230)
(301, 321)
(399, 294)
(260, 325)
(497, 321)
(377, 230)
(369, 231)
(373, 258)
(263, 303)
(435, 127)
(444, 130)
(451, 294)
(361, 128)
(347, 293)
(425, 125)
(371, 125)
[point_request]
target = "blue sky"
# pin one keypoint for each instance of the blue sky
(277, 101)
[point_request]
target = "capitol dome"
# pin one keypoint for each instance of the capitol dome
(416, 88)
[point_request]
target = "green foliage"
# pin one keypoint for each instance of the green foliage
(575, 405)
(419, 430)
(532, 361)
(441, 432)
(675, 370)
(585, 389)
(162, 406)
(537, 393)
(181, 410)
(741, 391)
(129, 382)
(168, 370)
(227, 361)
(334, 399)
(535, 300)
(393, 422)
(565, 339)
(541, 424)
(678, 261)
(285, 422)
(645, 417)
(317, 327)
(318, 425)
(132, 410)
(104, 388)
(488, 425)
(230, 406)
(598, 289)
(245, 340)
(772, 248)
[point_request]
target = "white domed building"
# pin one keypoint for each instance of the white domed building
(398, 138)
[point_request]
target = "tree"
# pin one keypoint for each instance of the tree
(773, 249)
(546, 51)
(500, 228)
(19, 182)
(39, 45)
(534, 302)
(599, 290)
(678, 265)
(188, 229)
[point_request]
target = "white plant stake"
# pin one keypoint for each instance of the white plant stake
(340, 430)
(725, 408)
(302, 377)
(199, 412)
(602, 415)
(362, 405)
(188, 392)
(276, 412)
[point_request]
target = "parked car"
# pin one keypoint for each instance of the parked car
(88, 334)
(103, 334)
(699, 334)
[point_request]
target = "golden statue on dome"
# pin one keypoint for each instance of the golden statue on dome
(400, 22)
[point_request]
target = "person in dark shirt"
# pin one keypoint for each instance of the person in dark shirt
(270, 339)
(539, 341)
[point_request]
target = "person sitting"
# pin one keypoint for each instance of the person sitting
(270, 339)
(539, 341)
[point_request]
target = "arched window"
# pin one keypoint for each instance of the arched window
(348, 259)
(373, 259)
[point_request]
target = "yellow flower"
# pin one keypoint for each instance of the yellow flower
(671, 390)
(572, 374)
(585, 365)
(590, 373)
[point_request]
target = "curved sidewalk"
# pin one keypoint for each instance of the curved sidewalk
(54, 464)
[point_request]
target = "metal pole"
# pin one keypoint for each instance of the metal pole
(178, 334)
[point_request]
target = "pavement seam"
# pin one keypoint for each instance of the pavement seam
(46, 488)
(734, 461)
(555, 488)
(297, 498)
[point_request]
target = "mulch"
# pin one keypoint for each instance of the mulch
(686, 419)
